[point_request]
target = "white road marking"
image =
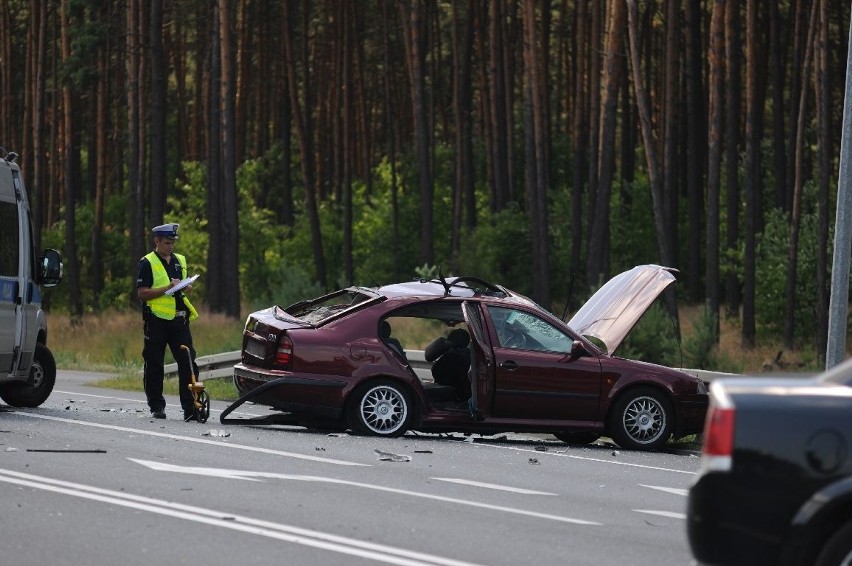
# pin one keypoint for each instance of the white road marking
(278, 531)
(672, 490)
(585, 458)
(218, 443)
(239, 474)
(494, 486)
(669, 514)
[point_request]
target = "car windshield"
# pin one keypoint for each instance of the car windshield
(322, 309)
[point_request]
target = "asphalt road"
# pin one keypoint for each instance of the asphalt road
(89, 479)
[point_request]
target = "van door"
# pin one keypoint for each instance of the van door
(11, 313)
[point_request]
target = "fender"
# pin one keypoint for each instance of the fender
(811, 523)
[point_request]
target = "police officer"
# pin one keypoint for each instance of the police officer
(166, 320)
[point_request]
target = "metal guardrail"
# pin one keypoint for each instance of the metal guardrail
(218, 366)
(215, 366)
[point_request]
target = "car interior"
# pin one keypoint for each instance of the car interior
(444, 374)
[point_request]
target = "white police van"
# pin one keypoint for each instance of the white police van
(27, 368)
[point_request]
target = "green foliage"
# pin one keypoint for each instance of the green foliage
(634, 240)
(117, 282)
(700, 348)
(653, 339)
(499, 249)
(772, 267)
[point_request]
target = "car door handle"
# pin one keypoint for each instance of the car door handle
(509, 365)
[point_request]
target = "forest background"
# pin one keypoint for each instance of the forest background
(544, 144)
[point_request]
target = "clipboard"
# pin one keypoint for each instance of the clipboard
(183, 284)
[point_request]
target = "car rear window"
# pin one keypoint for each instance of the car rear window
(328, 307)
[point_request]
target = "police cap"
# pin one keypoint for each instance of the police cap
(169, 231)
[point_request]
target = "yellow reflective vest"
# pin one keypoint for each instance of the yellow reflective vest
(164, 305)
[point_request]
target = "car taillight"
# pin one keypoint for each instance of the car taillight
(284, 353)
(718, 442)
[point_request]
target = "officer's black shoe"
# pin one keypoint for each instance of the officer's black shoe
(158, 414)
(189, 416)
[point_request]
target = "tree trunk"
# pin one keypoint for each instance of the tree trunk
(777, 50)
(733, 69)
(594, 108)
(229, 260)
(463, 188)
(303, 134)
(536, 153)
(136, 207)
(696, 135)
(497, 104)
(157, 116)
(391, 141)
(101, 173)
(716, 56)
(215, 180)
(657, 194)
(579, 138)
(75, 299)
(648, 137)
(798, 183)
(669, 111)
(752, 184)
(348, 145)
(599, 220)
(412, 23)
(825, 152)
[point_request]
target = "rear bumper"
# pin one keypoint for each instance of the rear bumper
(314, 396)
(725, 526)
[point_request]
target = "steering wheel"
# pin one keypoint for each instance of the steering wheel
(516, 340)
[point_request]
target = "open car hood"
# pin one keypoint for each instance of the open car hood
(617, 306)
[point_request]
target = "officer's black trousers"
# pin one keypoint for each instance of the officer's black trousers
(158, 334)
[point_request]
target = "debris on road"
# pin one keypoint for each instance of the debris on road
(67, 451)
(216, 432)
(391, 457)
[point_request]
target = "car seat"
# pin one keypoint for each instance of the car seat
(393, 343)
(452, 361)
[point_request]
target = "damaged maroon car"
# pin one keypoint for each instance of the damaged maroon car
(495, 362)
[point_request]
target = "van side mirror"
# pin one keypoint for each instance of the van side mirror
(50, 268)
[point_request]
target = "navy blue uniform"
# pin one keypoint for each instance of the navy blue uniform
(159, 333)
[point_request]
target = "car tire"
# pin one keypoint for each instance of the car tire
(838, 550)
(641, 419)
(379, 408)
(577, 438)
(42, 378)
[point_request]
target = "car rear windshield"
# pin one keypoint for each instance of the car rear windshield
(328, 307)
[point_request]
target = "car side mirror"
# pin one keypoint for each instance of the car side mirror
(50, 268)
(577, 349)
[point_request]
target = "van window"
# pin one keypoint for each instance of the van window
(8, 239)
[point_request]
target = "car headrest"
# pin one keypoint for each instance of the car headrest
(384, 330)
(436, 348)
(459, 338)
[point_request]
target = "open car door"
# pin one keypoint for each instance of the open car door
(481, 358)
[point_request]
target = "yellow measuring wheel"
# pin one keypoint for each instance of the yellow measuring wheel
(200, 399)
